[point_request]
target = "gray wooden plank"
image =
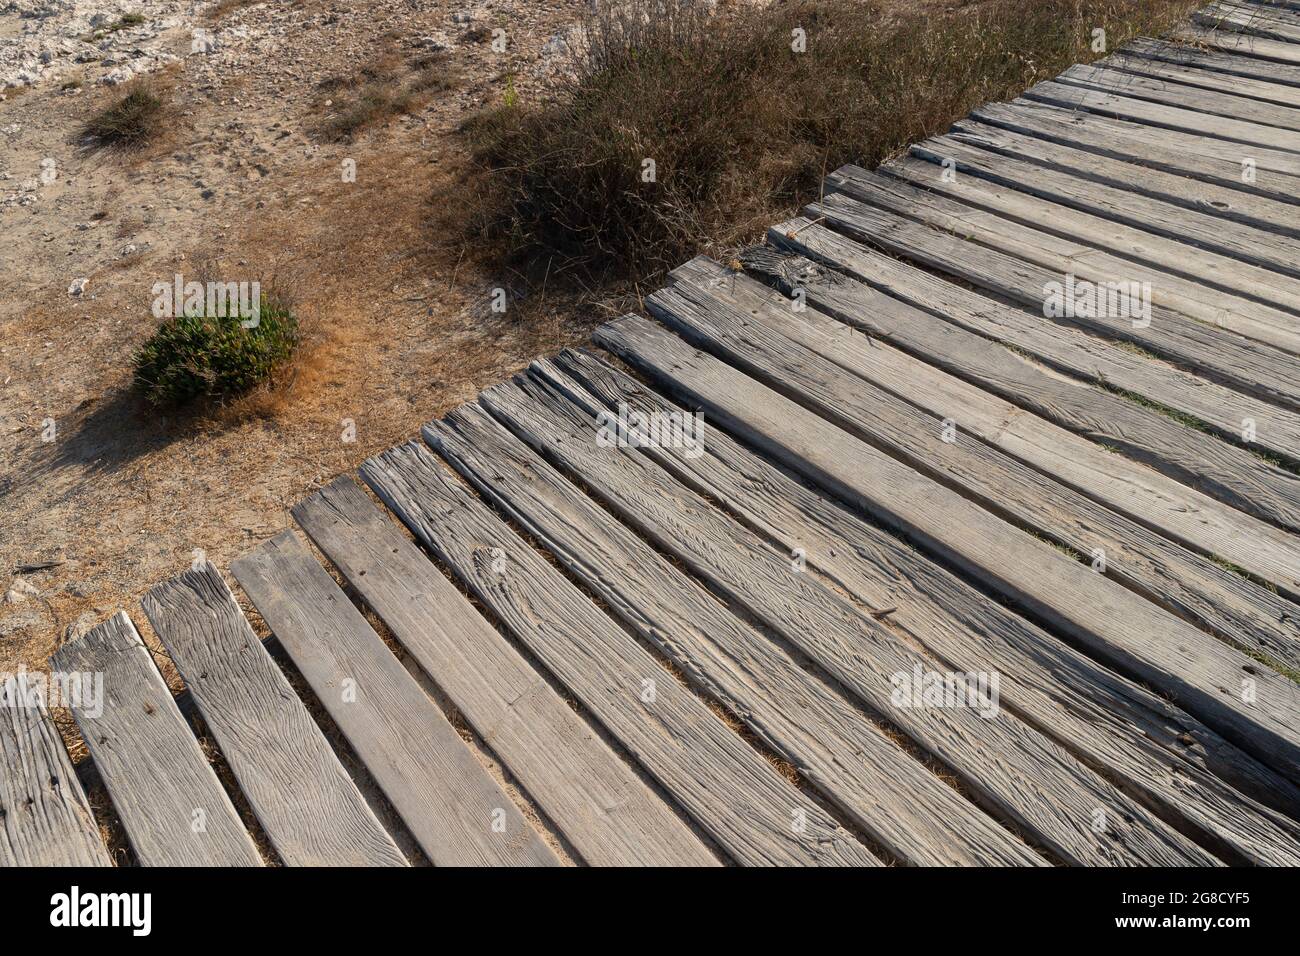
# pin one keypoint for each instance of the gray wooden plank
(1187, 65)
(1249, 135)
(1278, 124)
(1188, 315)
(1227, 18)
(1275, 174)
(852, 762)
(1245, 366)
(164, 790)
(1089, 357)
(862, 654)
(456, 812)
(1216, 201)
(1092, 247)
(1230, 474)
(1160, 754)
(309, 807)
(1233, 694)
(45, 819)
(725, 785)
(608, 815)
(905, 393)
(1262, 48)
(1126, 226)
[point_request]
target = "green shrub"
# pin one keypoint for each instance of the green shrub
(195, 356)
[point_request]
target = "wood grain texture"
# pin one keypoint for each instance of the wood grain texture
(45, 819)
(1250, 368)
(861, 770)
(455, 811)
(1217, 599)
(164, 790)
(587, 791)
(1227, 690)
(1227, 65)
(1161, 115)
(309, 807)
(1159, 753)
(1217, 202)
(1123, 486)
(1239, 43)
(1194, 457)
(1124, 246)
(1235, 18)
(1144, 58)
(1284, 119)
(1090, 357)
(724, 784)
(1198, 158)
(1034, 782)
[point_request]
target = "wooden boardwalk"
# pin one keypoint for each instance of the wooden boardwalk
(867, 548)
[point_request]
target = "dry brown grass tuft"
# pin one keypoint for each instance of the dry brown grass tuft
(739, 125)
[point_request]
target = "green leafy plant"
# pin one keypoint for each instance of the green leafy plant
(216, 357)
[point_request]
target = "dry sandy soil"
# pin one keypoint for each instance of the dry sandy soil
(244, 184)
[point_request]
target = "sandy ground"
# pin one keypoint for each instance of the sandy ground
(397, 329)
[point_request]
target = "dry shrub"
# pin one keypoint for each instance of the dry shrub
(131, 120)
(739, 125)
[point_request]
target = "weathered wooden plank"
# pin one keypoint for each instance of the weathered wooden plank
(859, 652)
(45, 819)
(1261, 48)
(1248, 367)
(1249, 135)
(163, 788)
(1162, 755)
(456, 812)
(1094, 214)
(1193, 587)
(309, 807)
(1271, 173)
(1087, 356)
(1180, 308)
(725, 785)
(901, 393)
(1230, 474)
(1217, 202)
(1281, 122)
(1253, 708)
(608, 815)
(851, 761)
(1192, 67)
(1235, 19)
(1082, 245)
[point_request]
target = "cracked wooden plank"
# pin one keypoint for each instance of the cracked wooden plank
(166, 794)
(608, 815)
(1255, 709)
(753, 812)
(309, 807)
(45, 819)
(1165, 757)
(453, 808)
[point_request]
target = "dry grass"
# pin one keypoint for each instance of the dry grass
(740, 126)
(134, 119)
